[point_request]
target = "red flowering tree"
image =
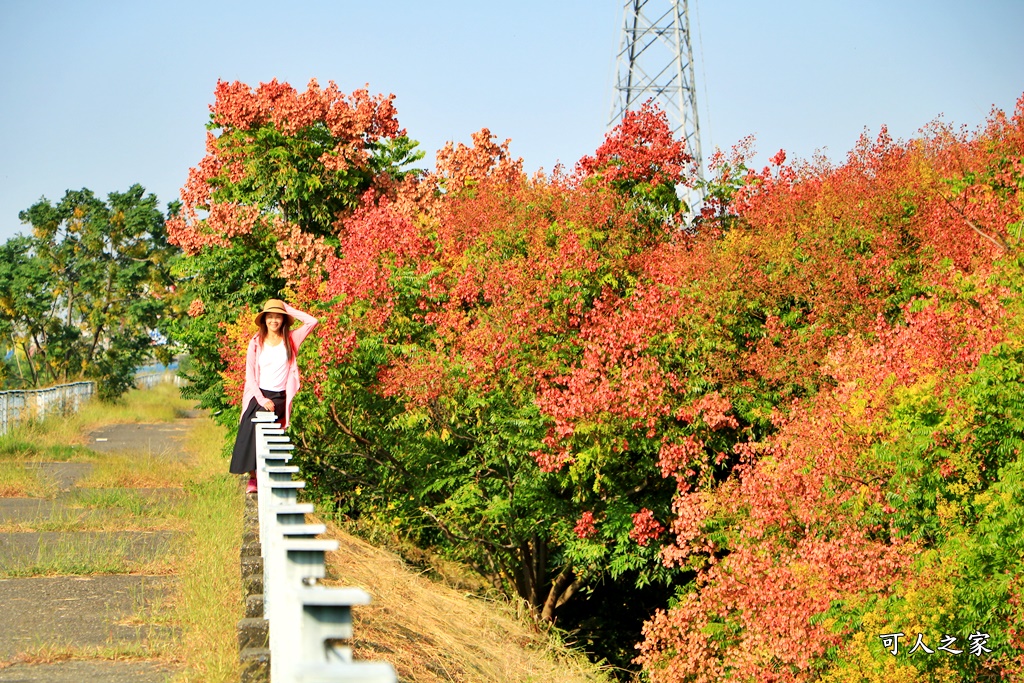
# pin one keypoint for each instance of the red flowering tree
(281, 167)
(445, 308)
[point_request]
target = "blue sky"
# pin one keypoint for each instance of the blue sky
(106, 94)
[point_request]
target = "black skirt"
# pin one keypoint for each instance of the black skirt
(243, 458)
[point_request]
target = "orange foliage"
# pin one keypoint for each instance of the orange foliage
(863, 271)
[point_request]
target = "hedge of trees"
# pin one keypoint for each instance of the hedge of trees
(789, 430)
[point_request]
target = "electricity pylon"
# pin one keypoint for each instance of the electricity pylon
(655, 61)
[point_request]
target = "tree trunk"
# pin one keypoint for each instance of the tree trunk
(71, 301)
(526, 576)
(562, 588)
(95, 341)
(531, 576)
(44, 371)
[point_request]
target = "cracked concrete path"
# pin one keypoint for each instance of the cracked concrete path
(77, 671)
(160, 439)
(91, 617)
(83, 611)
(20, 550)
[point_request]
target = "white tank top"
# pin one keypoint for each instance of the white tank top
(273, 367)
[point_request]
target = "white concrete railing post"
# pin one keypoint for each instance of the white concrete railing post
(308, 623)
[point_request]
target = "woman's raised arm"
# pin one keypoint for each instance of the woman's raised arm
(308, 323)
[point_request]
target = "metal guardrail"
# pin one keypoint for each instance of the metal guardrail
(148, 380)
(148, 376)
(308, 623)
(21, 405)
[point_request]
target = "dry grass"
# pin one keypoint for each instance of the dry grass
(209, 601)
(18, 481)
(161, 650)
(134, 469)
(434, 634)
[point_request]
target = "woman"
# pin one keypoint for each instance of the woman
(271, 377)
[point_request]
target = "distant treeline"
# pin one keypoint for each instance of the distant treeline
(87, 294)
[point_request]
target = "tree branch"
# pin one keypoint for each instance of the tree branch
(997, 241)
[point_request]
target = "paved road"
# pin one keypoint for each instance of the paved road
(92, 616)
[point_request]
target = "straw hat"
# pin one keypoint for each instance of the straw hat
(273, 306)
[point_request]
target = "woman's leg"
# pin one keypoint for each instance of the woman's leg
(243, 455)
(279, 407)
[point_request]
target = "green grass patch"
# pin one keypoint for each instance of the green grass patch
(82, 554)
(124, 501)
(162, 403)
(19, 447)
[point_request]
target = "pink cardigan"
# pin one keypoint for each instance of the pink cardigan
(252, 366)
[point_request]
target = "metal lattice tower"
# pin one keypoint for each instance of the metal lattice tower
(655, 61)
